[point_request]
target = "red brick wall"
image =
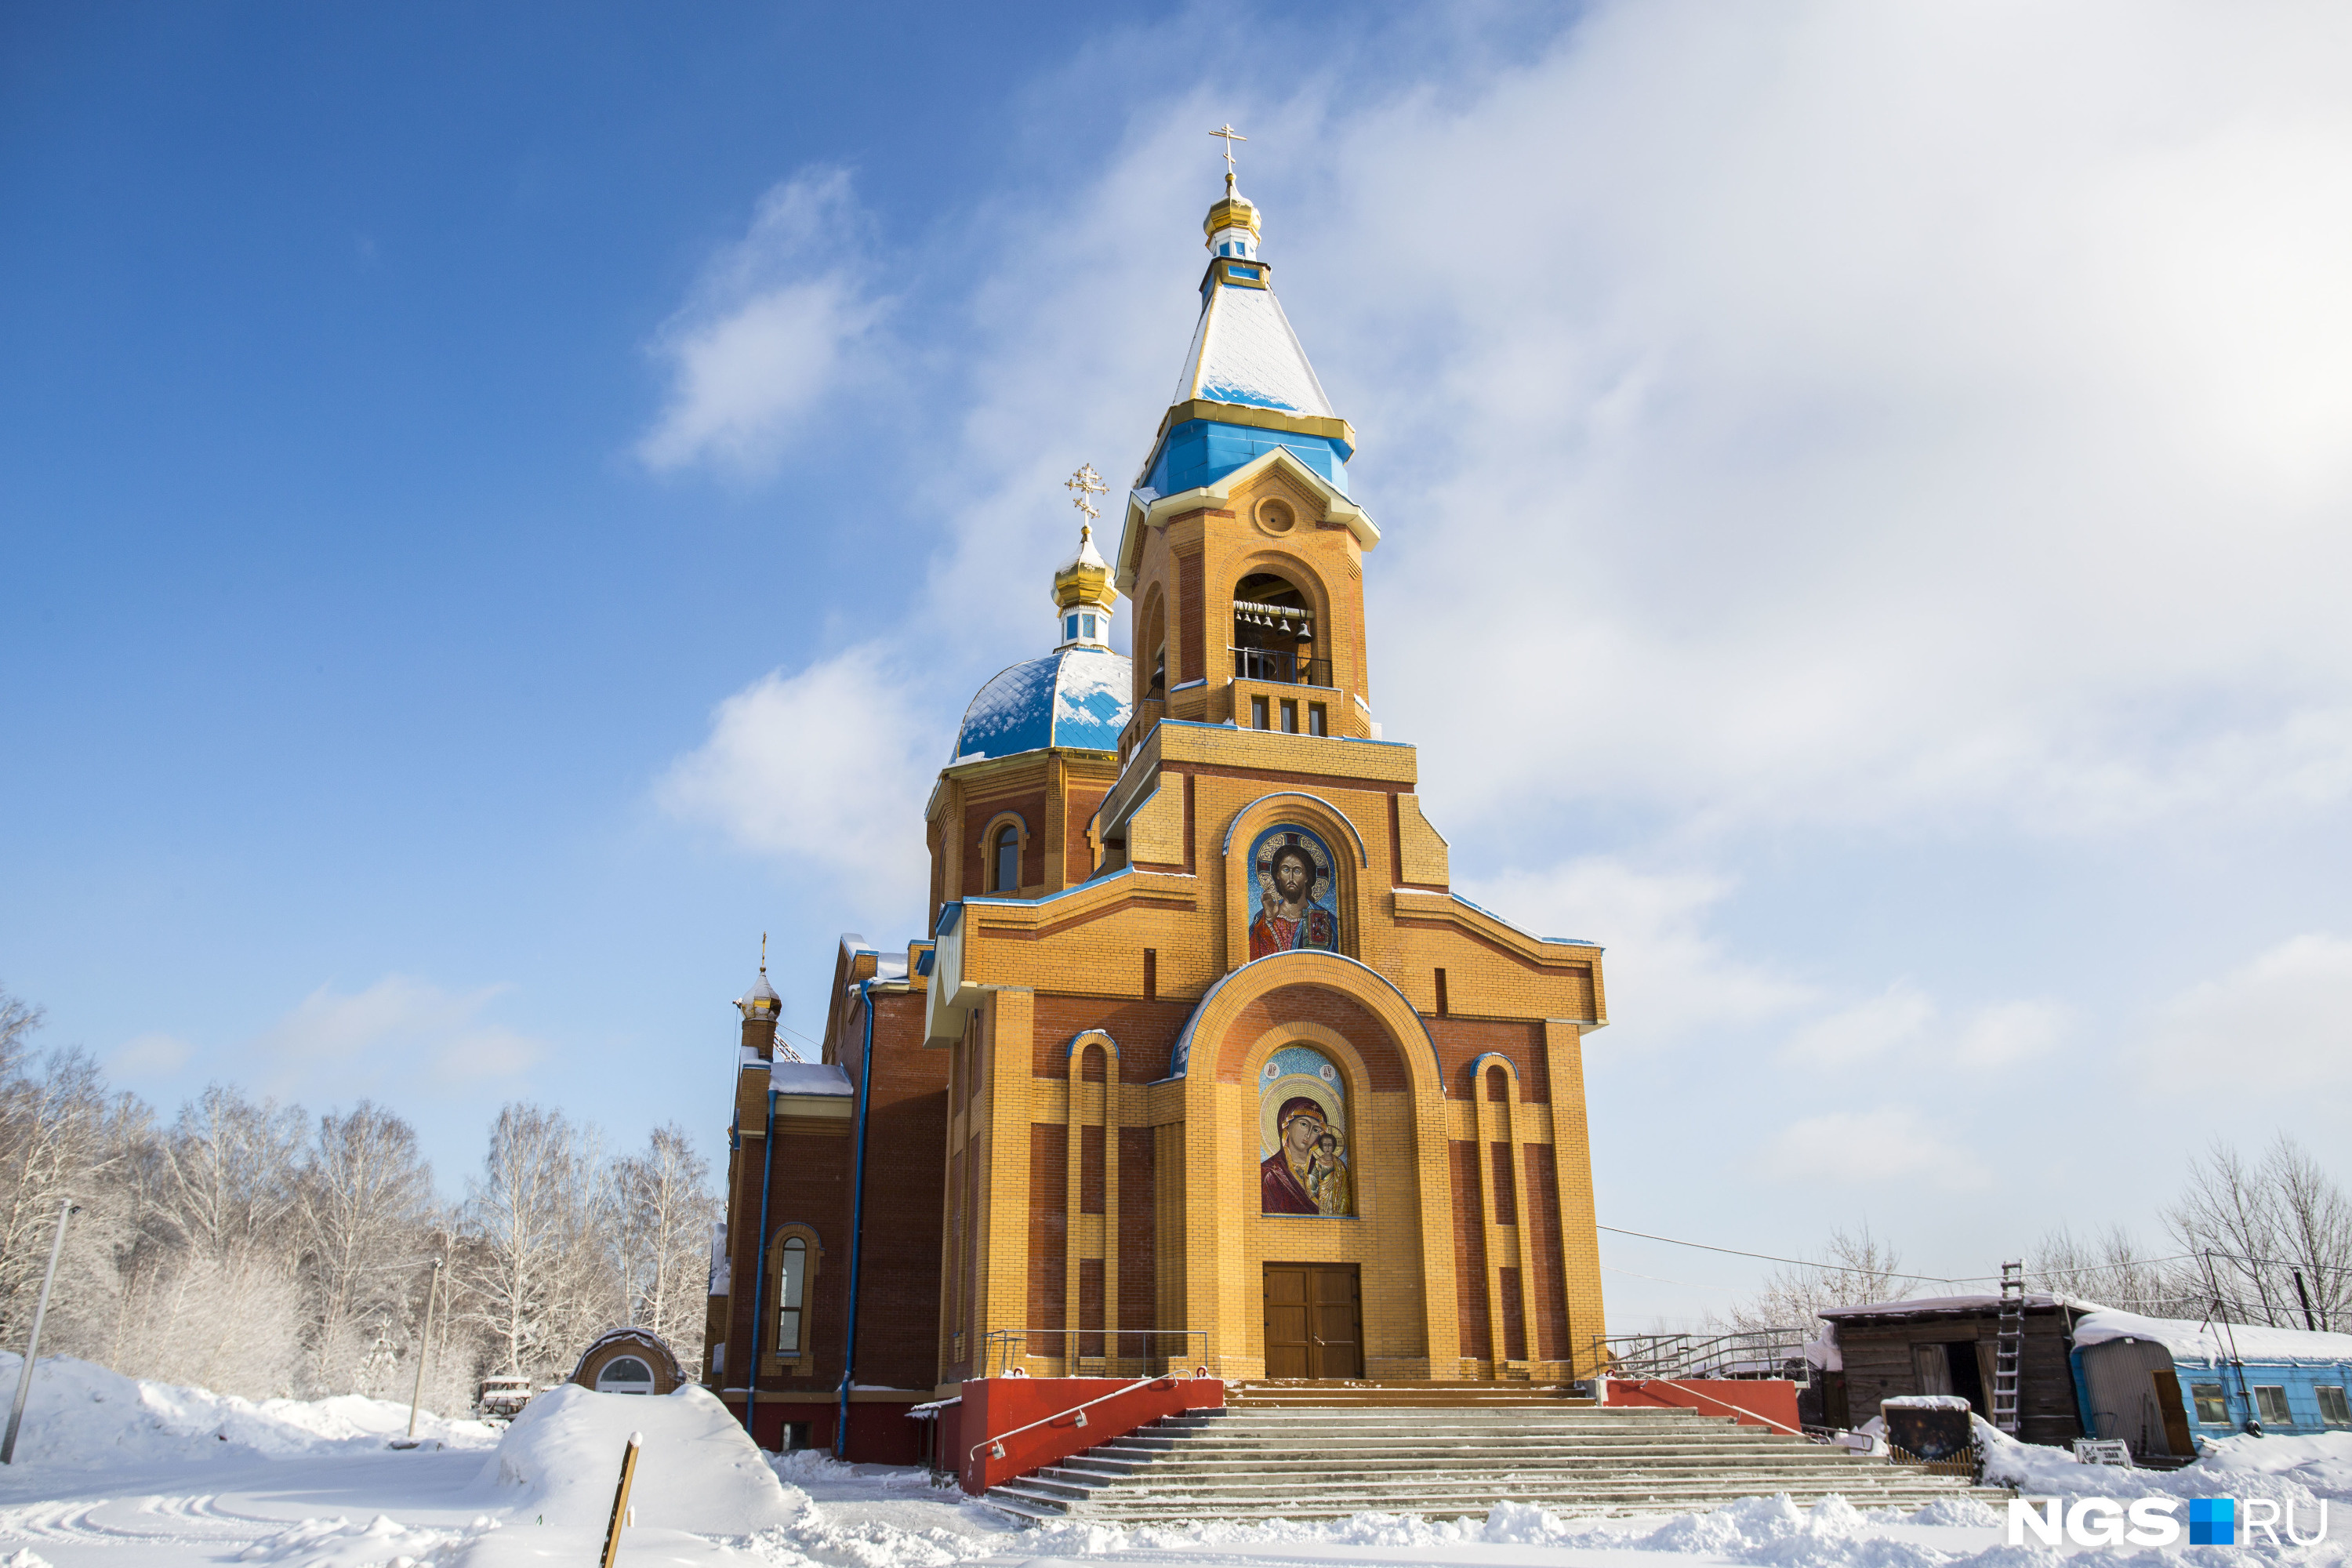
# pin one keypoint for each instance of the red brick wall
(1462, 1041)
(1545, 1250)
(1506, 1196)
(1515, 1315)
(1090, 1170)
(1138, 1278)
(1314, 1004)
(1191, 616)
(905, 1177)
(1470, 1251)
(1049, 1229)
(1090, 1305)
(1146, 1031)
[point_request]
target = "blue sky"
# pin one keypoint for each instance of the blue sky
(497, 509)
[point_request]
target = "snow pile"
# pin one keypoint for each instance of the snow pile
(84, 1416)
(699, 1471)
(2322, 1463)
(2040, 1472)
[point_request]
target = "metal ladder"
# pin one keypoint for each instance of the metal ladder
(2009, 1350)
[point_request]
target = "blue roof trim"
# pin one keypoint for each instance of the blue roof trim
(1187, 685)
(1546, 941)
(949, 915)
(1363, 858)
(1477, 1066)
(1066, 892)
(1070, 1045)
(1180, 1060)
(1200, 452)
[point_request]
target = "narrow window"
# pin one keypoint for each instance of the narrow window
(1318, 721)
(1441, 993)
(1008, 860)
(2269, 1403)
(789, 1280)
(2333, 1411)
(1257, 713)
(1158, 670)
(1089, 622)
(1150, 975)
(1290, 717)
(2212, 1408)
(1069, 627)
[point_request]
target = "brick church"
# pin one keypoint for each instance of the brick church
(1202, 1063)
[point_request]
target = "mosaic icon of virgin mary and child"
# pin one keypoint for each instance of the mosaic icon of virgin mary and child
(1302, 1129)
(1295, 894)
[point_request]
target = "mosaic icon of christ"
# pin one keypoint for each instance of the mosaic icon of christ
(1291, 872)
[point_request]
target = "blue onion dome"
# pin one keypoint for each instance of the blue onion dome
(1075, 697)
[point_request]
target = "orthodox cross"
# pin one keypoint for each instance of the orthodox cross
(1230, 136)
(1083, 486)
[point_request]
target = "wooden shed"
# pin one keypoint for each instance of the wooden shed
(1944, 1344)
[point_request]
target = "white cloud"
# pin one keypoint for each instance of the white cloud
(1860, 455)
(149, 1056)
(1669, 977)
(2012, 1032)
(781, 320)
(826, 768)
(1895, 1018)
(1857, 1149)
(2282, 1021)
(400, 1033)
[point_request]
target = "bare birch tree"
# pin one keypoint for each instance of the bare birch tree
(664, 1211)
(1855, 1269)
(363, 1199)
(537, 1277)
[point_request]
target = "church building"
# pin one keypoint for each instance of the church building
(1202, 1063)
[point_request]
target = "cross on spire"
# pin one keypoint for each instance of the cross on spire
(1083, 486)
(1230, 136)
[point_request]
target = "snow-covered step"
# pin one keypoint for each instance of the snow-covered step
(1329, 1461)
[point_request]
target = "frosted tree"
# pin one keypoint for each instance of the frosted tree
(535, 1274)
(1855, 1269)
(55, 1123)
(2112, 1269)
(364, 1202)
(662, 1240)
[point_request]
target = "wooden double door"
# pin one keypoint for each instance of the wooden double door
(1314, 1320)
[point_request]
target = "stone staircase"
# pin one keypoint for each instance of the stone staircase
(1306, 1453)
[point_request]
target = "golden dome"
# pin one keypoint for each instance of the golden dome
(1235, 211)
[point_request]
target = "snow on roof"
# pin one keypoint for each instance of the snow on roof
(1244, 352)
(2213, 1343)
(1076, 697)
(1919, 1305)
(808, 1078)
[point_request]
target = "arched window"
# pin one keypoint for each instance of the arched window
(792, 1280)
(625, 1375)
(1006, 854)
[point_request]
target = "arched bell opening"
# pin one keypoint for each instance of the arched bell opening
(1274, 632)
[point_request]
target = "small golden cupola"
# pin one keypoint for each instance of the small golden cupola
(1083, 595)
(761, 1008)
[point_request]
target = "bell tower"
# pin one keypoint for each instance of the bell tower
(1242, 553)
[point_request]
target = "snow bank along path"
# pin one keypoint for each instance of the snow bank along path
(86, 1418)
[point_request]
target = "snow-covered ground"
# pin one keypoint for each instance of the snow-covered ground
(118, 1474)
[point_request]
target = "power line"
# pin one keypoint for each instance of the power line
(1883, 1273)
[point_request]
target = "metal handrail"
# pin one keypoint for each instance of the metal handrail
(1703, 1355)
(1281, 669)
(996, 1446)
(1001, 1345)
(1711, 1399)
